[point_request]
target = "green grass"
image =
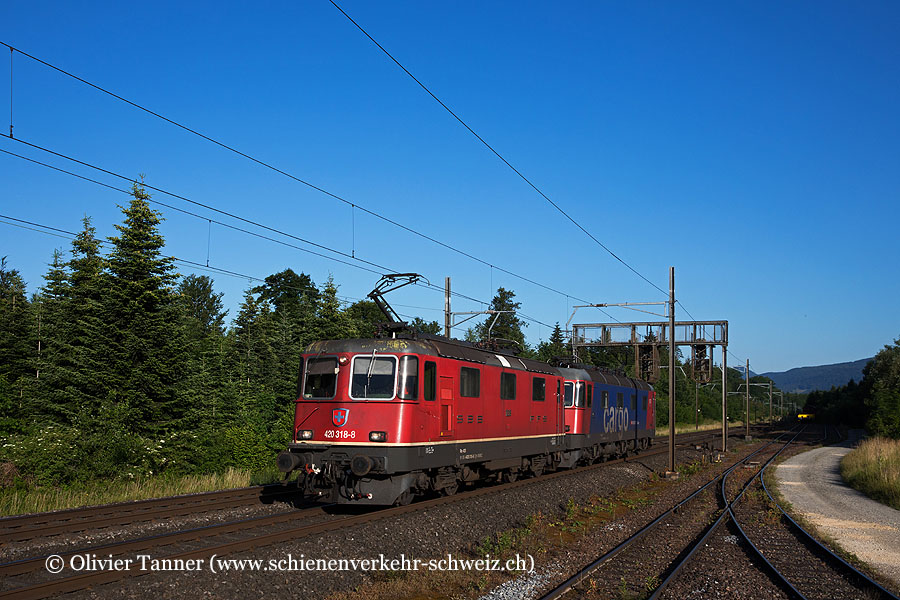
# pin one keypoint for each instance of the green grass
(874, 469)
(687, 428)
(23, 500)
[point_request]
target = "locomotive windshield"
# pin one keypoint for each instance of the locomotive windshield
(321, 378)
(373, 378)
(574, 394)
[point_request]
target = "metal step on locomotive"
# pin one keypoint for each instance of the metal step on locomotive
(380, 421)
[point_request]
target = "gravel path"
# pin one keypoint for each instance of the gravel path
(812, 483)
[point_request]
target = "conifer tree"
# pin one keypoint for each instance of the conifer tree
(15, 347)
(508, 325)
(203, 305)
(555, 347)
(145, 344)
(14, 324)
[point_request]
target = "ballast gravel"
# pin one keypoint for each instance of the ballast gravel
(429, 534)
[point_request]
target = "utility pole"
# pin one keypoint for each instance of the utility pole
(770, 404)
(747, 406)
(696, 405)
(724, 399)
(671, 471)
(448, 316)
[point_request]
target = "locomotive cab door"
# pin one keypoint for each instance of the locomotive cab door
(446, 406)
(560, 411)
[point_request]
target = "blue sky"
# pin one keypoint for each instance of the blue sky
(754, 146)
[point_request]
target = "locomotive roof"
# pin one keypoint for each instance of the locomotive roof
(598, 375)
(432, 345)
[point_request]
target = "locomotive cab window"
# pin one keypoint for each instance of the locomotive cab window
(507, 386)
(644, 402)
(321, 378)
(409, 378)
(633, 402)
(430, 383)
(620, 399)
(579, 394)
(569, 394)
(373, 377)
(469, 382)
(538, 389)
(300, 379)
(590, 391)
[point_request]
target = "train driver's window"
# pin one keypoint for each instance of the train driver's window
(644, 402)
(430, 383)
(321, 378)
(538, 389)
(409, 378)
(569, 388)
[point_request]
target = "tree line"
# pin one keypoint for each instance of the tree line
(873, 403)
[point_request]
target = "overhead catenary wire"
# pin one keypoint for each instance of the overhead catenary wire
(47, 229)
(70, 235)
(383, 269)
(496, 153)
(234, 216)
(353, 205)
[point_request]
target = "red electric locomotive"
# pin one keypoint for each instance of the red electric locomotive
(379, 421)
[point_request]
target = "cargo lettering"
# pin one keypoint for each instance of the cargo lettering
(615, 419)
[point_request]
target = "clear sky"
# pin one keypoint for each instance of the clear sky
(754, 146)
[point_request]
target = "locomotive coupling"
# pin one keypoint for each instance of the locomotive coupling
(360, 465)
(288, 461)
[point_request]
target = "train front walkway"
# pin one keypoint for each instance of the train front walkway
(812, 483)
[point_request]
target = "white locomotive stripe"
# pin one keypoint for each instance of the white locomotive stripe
(502, 360)
(398, 444)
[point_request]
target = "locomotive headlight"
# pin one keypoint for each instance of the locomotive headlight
(377, 436)
(343, 360)
(305, 434)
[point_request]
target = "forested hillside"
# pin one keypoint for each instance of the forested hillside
(821, 377)
(874, 402)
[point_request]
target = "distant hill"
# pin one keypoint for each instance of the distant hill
(823, 377)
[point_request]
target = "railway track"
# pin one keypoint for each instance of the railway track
(42, 525)
(27, 579)
(648, 554)
(797, 565)
(26, 527)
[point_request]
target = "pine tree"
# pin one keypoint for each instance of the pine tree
(145, 343)
(15, 348)
(555, 347)
(508, 325)
(51, 334)
(203, 305)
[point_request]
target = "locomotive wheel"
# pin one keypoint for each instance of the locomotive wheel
(404, 498)
(450, 489)
(509, 476)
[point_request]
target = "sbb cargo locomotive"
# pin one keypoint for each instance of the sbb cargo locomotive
(379, 421)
